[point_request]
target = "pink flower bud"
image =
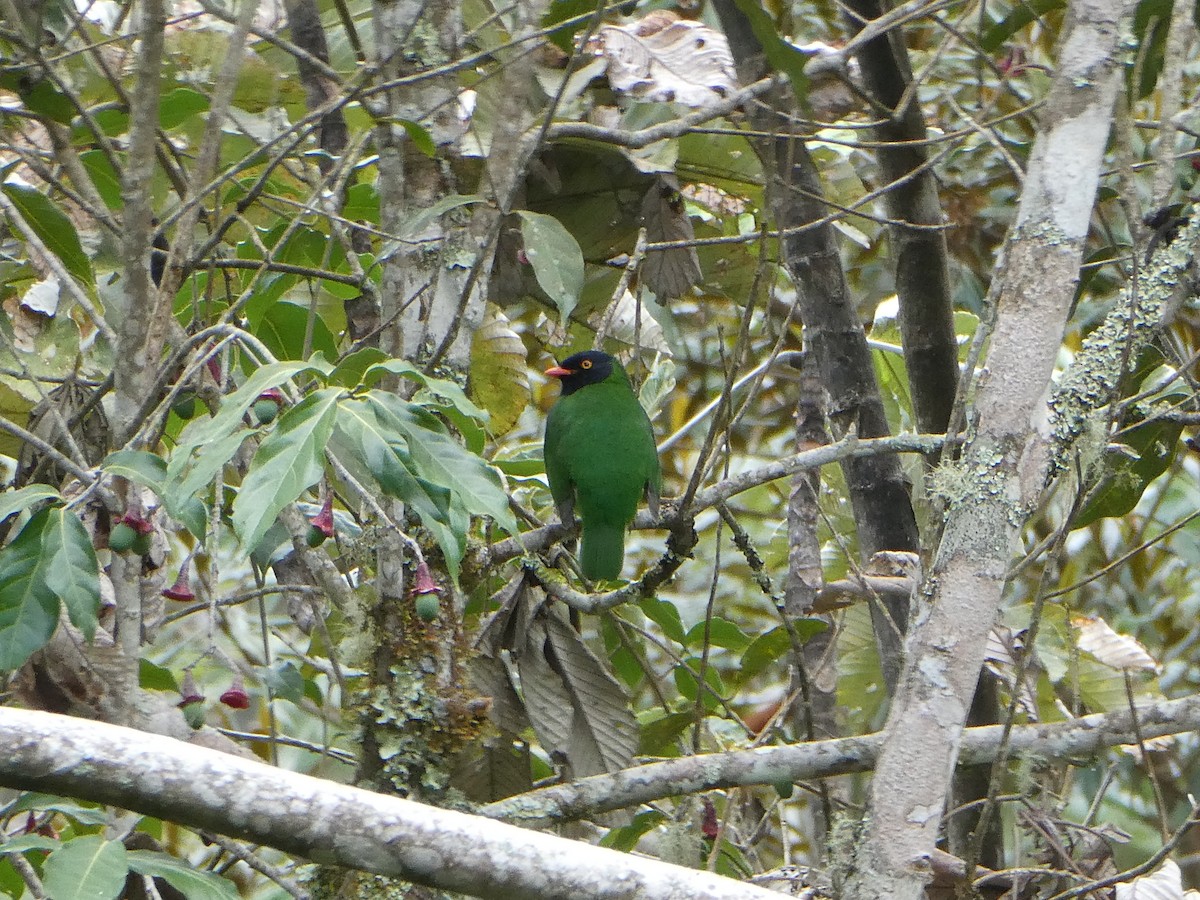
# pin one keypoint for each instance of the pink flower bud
(324, 519)
(423, 582)
(236, 697)
(188, 690)
(181, 590)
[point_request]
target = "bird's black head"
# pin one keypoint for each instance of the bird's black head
(582, 369)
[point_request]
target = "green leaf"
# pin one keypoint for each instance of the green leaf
(763, 651)
(282, 329)
(277, 537)
(362, 203)
(420, 137)
(440, 459)
(205, 445)
(380, 454)
(658, 735)
(783, 56)
(181, 105)
(154, 677)
(192, 883)
(106, 179)
(421, 220)
(722, 633)
(28, 608)
(46, 100)
(556, 259)
(28, 842)
(521, 468)
(207, 463)
(86, 868)
(286, 682)
(12, 502)
(139, 466)
(290, 460)
(666, 616)
(688, 686)
(69, 562)
(1153, 446)
(53, 227)
(560, 11)
(351, 371)
(626, 837)
(440, 387)
(76, 811)
(1022, 14)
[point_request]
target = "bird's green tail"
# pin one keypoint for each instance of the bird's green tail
(602, 551)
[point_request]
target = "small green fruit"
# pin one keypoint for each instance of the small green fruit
(265, 411)
(184, 405)
(315, 537)
(121, 538)
(427, 607)
(784, 789)
(194, 714)
(141, 544)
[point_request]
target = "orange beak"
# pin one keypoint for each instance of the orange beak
(557, 372)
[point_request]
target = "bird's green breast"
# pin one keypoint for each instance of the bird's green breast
(600, 446)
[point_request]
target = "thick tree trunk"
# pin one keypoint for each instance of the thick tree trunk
(1006, 464)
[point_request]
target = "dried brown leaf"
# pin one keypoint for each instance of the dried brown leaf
(1118, 651)
(1164, 883)
(685, 62)
(669, 273)
(579, 711)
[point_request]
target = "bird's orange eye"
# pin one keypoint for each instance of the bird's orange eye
(586, 364)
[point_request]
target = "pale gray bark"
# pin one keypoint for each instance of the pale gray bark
(330, 822)
(840, 756)
(1005, 465)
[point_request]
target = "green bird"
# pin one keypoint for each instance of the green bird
(600, 457)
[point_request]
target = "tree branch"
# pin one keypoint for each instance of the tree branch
(1005, 466)
(330, 822)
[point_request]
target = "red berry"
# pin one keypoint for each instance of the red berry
(423, 582)
(188, 691)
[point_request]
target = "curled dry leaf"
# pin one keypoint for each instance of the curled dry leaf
(631, 324)
(42, 297)
(669, 273)
(831, 76)
(1118, 651)
(1004, 647)
(685, 62)
(1159, 745)
(1164, 883)
(26, 325)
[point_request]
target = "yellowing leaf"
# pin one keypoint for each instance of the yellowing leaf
(1116, 650)
(499, 371)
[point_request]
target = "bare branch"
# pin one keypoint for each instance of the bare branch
(327, 821)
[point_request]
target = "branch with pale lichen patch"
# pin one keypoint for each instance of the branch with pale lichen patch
(1108, 352)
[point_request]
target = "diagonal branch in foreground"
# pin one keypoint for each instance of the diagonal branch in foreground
(342, 825)
(329, 822)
